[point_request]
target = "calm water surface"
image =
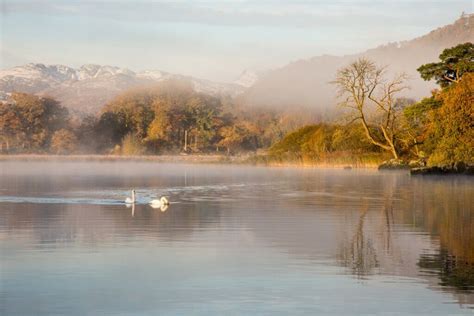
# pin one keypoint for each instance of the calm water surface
(235, 240)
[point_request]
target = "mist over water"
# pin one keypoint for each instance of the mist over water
(245, 240)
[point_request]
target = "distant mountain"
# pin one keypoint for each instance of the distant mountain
(306, 82)
(247, 78)
(88, 88)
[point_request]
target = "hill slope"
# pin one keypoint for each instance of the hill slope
(306, 82)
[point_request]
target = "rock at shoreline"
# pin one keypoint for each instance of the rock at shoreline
(394, 164)
(457, 168)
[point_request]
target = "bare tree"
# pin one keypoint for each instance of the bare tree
(363, 88)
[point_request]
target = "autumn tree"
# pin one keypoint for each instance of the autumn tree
(132, 111)
(454, 126)
(364, 89)
(162, 116)
(28, 122)
(11, 128)
(159, 131)
(63, 142)
(132, 146)
(232, 137)
(443, 124)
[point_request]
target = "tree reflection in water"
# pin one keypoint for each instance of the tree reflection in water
(430, 206)
(452, 271)
(449, 214)
(359, 254)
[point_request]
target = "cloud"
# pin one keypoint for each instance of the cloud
(274, 13)
(209, 38)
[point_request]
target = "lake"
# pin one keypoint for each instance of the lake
(235, 240)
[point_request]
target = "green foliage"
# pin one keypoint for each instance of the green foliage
(441, 127)
(418, 119)
(455, 62)
(417, 111)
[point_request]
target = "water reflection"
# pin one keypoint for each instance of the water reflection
(446, 212)
(441, 207)
(162, 207)
(358, 253)
(232, 228)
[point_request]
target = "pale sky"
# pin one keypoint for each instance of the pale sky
(214, 40)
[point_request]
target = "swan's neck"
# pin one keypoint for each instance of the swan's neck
(133, 196)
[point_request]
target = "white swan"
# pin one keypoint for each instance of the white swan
(161, 203)
(131, 200)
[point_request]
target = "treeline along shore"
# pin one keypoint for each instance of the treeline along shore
(173, 122)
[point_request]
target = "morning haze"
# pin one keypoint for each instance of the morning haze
(236, 157)
(214, 40)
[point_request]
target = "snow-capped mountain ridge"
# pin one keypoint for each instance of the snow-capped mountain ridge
(89, 87)
(152, 74)
(63, 73)
(247, 78)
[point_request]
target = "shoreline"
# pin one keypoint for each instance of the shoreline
(232, 160)
(195, 158)
(106, 158)
(322, 165)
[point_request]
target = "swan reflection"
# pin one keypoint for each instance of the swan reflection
(162, 207)
(133, 208)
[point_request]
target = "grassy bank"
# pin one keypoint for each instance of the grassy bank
(329, 160)
(260, 160)
(323, 165)
(147, 158)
